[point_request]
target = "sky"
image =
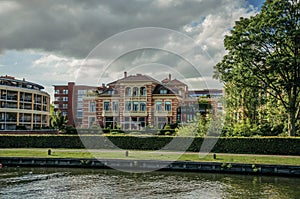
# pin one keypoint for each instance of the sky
(94, 42)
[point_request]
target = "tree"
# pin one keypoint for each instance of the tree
(263, 53)
(58, 121)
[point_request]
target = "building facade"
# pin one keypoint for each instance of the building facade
(212, 96)
(23, 105)
(68, 100)
(136, 101)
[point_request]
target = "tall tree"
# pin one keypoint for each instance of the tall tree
(263, 53)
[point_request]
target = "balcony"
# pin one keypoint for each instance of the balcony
(9, 98)
(110, 113)
(11, 120)
(26, 107)
(162, 113)
(25, 120)
(135, 113)
(26, 99)
(14, 106)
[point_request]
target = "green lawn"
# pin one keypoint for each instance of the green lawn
(151, 155)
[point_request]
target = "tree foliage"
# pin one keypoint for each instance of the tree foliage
(58, 121)
(263, 56)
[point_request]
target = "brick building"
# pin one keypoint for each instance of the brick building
(135, 101)
(68, 100)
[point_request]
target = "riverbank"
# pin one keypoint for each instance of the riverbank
(152, 155)
(152, 165)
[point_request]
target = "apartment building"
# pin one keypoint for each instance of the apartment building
(23, 104)
(135, 101)
(68, 100)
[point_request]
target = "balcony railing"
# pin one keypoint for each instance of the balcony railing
(162, 113)
(12, 98)
(9, 106)
(26, 99)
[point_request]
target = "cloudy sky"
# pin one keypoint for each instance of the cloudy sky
(95, 41)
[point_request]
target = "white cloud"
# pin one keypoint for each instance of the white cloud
(8, 6)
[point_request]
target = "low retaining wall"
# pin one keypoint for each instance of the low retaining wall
(151, 165)
(31, 132)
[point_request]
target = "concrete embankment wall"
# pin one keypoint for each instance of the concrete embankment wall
(151, 165)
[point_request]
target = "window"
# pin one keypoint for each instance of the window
(56, 91)
(56, 105)
(158, 106)
(142, 121)
(65, 91)
(92, 121)
(79, 114)
(135, 91)
(143, 106)
(111, 92)
(163, 91)
(64, 113)
(65, 106)
(56, 99)
(128, 91)
(135, 106)
(81, 92)
(127, 106)
(65, 99)
(93, 106)
(106, 106)
(115, 106)
(79, 105)
(167, 106)
(143, 91)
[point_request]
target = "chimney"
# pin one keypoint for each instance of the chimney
(170, 77)
(125, 74)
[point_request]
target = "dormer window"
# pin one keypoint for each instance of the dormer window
(111, 92)
(163, 91)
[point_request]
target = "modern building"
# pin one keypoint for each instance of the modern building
(23, 104)
(212, 96)
(68, 100)
(135, 101)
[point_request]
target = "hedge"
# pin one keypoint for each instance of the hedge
(276, 146)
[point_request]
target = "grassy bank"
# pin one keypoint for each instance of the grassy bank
(152, 155)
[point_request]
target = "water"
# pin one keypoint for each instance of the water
(88, 183)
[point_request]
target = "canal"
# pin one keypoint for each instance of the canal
(89, 183)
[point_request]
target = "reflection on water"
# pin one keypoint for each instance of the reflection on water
(88, 183)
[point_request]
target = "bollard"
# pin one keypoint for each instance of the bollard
(215, 156)
(126, 153)
(49, 152)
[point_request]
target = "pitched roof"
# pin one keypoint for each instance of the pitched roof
(173, 82)
(135, 78)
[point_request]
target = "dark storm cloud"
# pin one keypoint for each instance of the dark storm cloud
(73, 28)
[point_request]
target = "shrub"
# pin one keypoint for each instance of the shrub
(70, 130)
(260, 145)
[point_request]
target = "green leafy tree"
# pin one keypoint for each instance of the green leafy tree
(58, 121)
(263, 53)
